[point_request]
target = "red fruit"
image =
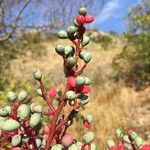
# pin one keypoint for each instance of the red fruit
(87, 124)
(16, 148)
(67, 140)
(113, 148)
(120, 145)
(47, 129)
(89, 19)
(52, 92)
(84, 89)
(71, 82)
(80, 19)
(145, 147)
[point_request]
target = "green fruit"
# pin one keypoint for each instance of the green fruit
(25, 138)
(35, 119)
(37, 75)
(57, 147)
(39, 92)
(89, 118)
(138, 141)
(87, 57)
(88, 137)
(23, 111)
(60, 49)
(119, 133)
(133, 136)
(2, 120)
(16, 140)
(87, 81)
(9, 109)
(71, 30)
(10, 125)
(70, 95)
(82, 54)
(11, 96)
(36, 108)
(80, 80)
(85, 40)
(69, 50)
(38, 142)
(71, 61)
(110, 143)
(126, 139)
(3, 112)
(62, 34)
(74, 147)
(82, 10)
(43, 143)
(22, 96)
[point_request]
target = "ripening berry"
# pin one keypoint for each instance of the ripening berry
(9, 109)
(37, 75)
(67, 140)
(110, 143)
(69, 50)
(84, 89)
(38, 142)
(71, 61)
(11, 96)
(10, 125)
(119, 133)
(113, 148)
(57, 147)
(87, 124)
(71, 82)
(145, 147)
(3, 112)
(52, 92)
(89, 19)
(126, 139)
(89, 118)
(87, 57)
(22, 96)
(138, 141)
(35, 119)
(83, 99)
(23, 111)
(16, 140)
(82, 10)
(80, 80)
(62, 34)
(70, 95)
(88, 137)
(43, 143)
(85, 40)
(80, 19)
(16, 148)
(60, 49)
(71, 30)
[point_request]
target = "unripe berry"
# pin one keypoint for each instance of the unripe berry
(87, 57)
(110, 143)
(82, 54)
(71, 30)
(71, 82)
(88, 137)
(9, 109)
(80, 19)
(3, 112)
(84, 89)
(60, 49)
(25, 138)
(145, 147)
(71, 61)
(83, 99)
(38, 142)
(85, 40)
(126, 139)
(37, 75)
(67, 140)
(69, 50)
(87, 81)
(82, 10)
(62, 34)
(119, 133)
(36, 108)
(138, 141)
(71, 103)
(133, 135)
(39, 92)
(35, 119)
(70, 95)
(89, 19)
(89, 118)
(23, 111)
(74, 147)
(57, 147)
(10, 125)
(2, 121)
(52, 92)
(16, 140)
(22, 96)
(11, 96)
(80, 80)
(43, 143)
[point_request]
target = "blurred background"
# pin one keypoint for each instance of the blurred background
(119, 70)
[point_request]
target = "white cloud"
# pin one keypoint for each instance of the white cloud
(109, 10)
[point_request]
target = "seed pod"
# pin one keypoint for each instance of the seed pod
(60, 49)
(11, 96)
(23, 111)
(85, 40)
(110, 143)
(35, 119)
(62, 34)
(138, 141)
(82, 10)
(87, 57)
(57, 147)
(39, 92)
(25, 138)
(70, 95)
(67, 140)
(89, 19)
(88, 137)
(52, 92)
(87, 81)
(125, 138)
(71, 30)
(71, 61)
(37, 75)
(69, 50)
(71, 82)
(119, 133)
(80, 80)
(38, 142)
(80, 19)
(22, 96)
(16, 140)
(10, 125)
(3, 112)
(36, 108)
(9, 109)
(89, 118)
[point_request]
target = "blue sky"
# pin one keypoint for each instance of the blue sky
(113, 15)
